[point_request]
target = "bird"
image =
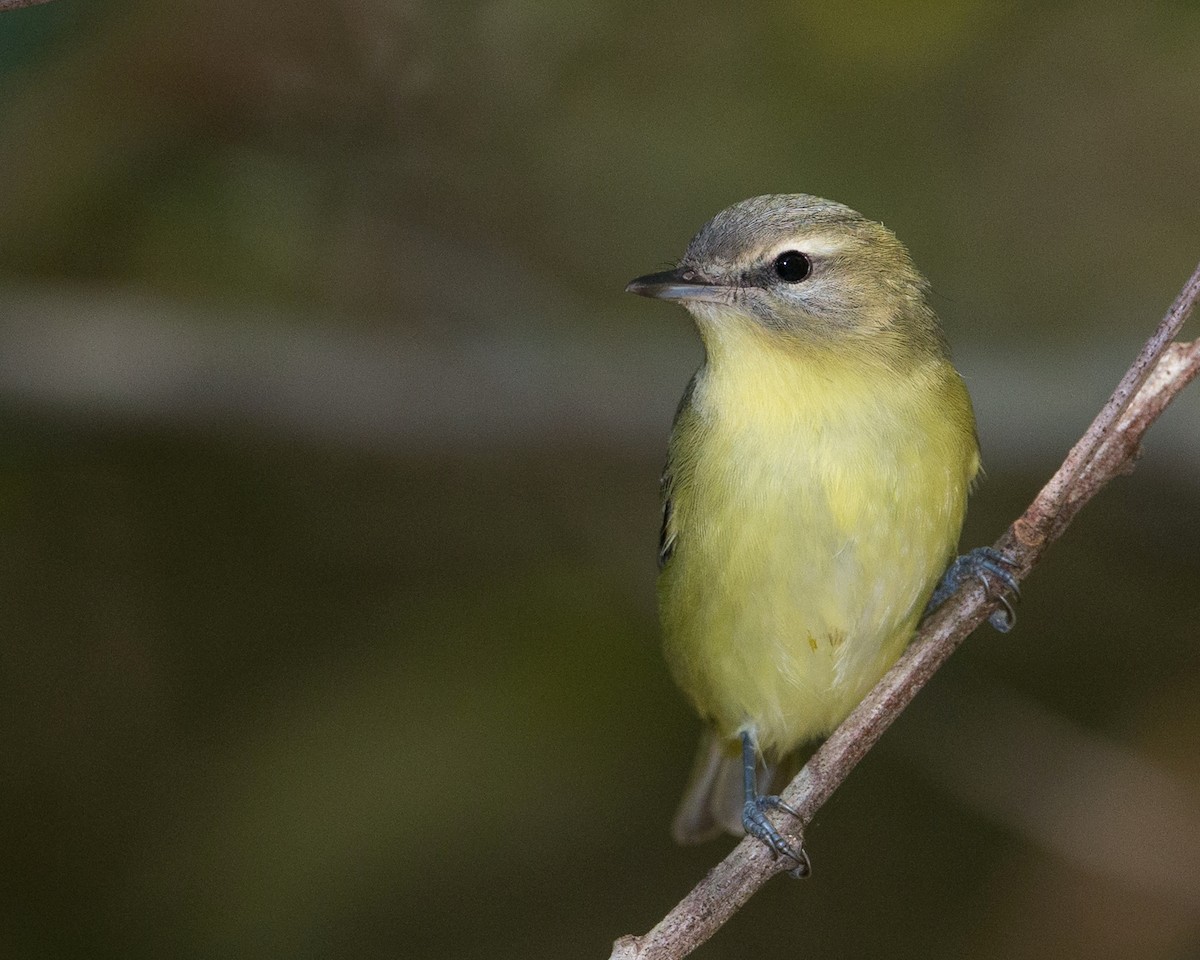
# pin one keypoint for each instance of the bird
(816, 482)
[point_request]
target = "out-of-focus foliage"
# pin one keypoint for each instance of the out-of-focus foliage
(329, 450)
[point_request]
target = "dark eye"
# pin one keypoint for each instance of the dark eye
(792, 266)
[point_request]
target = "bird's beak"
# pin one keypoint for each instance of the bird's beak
(678, 284)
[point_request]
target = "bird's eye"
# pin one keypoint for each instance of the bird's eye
(792, 266)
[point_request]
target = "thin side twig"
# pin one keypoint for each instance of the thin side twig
(1060, 499)
(1107, 449)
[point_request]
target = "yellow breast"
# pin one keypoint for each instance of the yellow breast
(815, 502)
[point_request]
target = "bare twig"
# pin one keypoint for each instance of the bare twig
(18, 4)
(1107, 449)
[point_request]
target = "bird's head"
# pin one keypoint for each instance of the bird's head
(801, 269)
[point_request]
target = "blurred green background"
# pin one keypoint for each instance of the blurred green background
(330, 450)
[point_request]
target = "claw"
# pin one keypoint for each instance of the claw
(986, 565)
(776, 803)
(802, 869)
(1004, 618)
(757, 825)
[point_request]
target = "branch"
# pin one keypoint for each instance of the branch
(1108, 448)
(18, 4)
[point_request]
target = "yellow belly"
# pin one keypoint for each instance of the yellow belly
(812, 520)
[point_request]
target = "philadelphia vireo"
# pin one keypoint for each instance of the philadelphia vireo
(814, 492)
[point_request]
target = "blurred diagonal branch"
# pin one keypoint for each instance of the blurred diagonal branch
(18, 4)
(1108, 448)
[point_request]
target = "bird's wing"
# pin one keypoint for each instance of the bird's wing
(668, 532)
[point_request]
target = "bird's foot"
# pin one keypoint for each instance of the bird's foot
(992, 569)
(754, 819)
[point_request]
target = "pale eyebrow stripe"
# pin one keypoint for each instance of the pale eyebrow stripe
(815, 244)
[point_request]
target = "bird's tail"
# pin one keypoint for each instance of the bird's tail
(712, 803)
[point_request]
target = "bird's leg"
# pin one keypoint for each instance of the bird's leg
(992, 569)
(754, 817)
